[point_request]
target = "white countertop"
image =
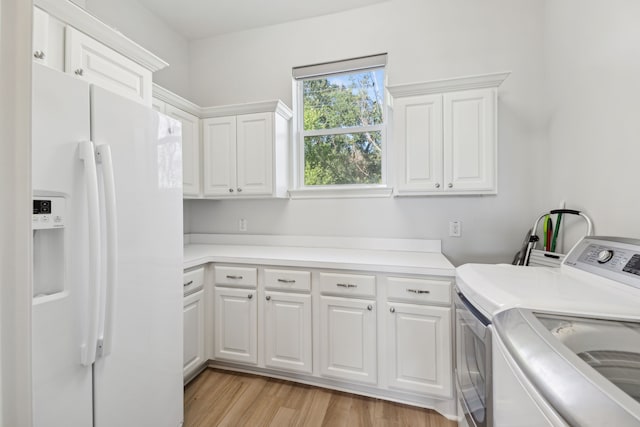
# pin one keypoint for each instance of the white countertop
(376, 260)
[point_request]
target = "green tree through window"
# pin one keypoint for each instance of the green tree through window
(343, 120)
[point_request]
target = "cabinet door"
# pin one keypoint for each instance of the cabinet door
(287, 331)
(219, 140)
(190, 149)
(419, 348)
(193, 329)
(470, 140)
(98, 64)
(40, 36)
(348, 339)
(255, 154)
(418, 129)
(236, 333)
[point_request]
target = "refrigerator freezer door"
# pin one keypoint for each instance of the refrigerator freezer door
(140, 382)
(61, 384)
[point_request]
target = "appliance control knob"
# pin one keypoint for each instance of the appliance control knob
(604, 256)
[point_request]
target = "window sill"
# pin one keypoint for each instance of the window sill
(343, 193)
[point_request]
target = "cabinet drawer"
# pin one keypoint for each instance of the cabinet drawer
(236, 276)
(287, 280)
(348, 284)
(426, 291)
(193, 280)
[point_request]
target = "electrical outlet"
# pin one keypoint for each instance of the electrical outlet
(455, 228)
(242, 224)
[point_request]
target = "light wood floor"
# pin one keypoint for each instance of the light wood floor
(232, 399)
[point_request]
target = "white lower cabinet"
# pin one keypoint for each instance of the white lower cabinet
(348, 339)
(236, 332)
(419, 348)
(287, 331)
(194, 334)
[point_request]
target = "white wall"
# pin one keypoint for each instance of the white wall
(15, 215)
(145, 28)
(425, 40)
(592, 52)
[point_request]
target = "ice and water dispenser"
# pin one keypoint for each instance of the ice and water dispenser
(48, 224)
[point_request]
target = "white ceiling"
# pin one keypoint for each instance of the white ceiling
(196, 19)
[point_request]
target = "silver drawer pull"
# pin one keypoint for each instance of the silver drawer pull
(370, 307)
(234, 277)
(418, 291)
(346, 285)
(392, 309)
(286, 281)
(188, 283)
(250, 296)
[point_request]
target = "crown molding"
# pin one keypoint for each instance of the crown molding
(276, 106)
(80, 19)
(176, 100)
(448, 85)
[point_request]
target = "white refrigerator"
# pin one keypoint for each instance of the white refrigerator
(107, 306)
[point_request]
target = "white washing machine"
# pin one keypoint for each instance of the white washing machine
(557, 346)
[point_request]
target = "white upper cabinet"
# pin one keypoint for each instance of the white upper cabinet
(67, 38)
(254, 153)
(446, 136)
(98, 64)
(470, 143)
(188, 114)
(245, 155)
(219, 140)
(418, 122)
(190, 149)
(40, 39)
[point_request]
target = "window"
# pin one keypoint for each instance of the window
(340, 124)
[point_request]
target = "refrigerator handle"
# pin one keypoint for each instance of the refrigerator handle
(103, 157)
(88, 348)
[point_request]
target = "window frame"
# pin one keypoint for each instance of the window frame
(298, 187)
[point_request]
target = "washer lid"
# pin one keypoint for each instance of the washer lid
(493, 288)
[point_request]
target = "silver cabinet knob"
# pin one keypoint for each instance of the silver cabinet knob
(392, 309)
(38, 54)
(450, 185)
(250, 296)
(79, 72)
(268, 298)
(437, 185)
(369, 307)
(239, 190)
(231, 190)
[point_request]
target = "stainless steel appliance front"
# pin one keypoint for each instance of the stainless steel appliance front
(473, 363)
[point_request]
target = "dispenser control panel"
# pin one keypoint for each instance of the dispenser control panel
(48, 212)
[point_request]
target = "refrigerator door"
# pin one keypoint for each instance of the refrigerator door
(61, 384)
(138, 382)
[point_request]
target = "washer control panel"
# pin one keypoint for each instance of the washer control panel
(612, 257)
